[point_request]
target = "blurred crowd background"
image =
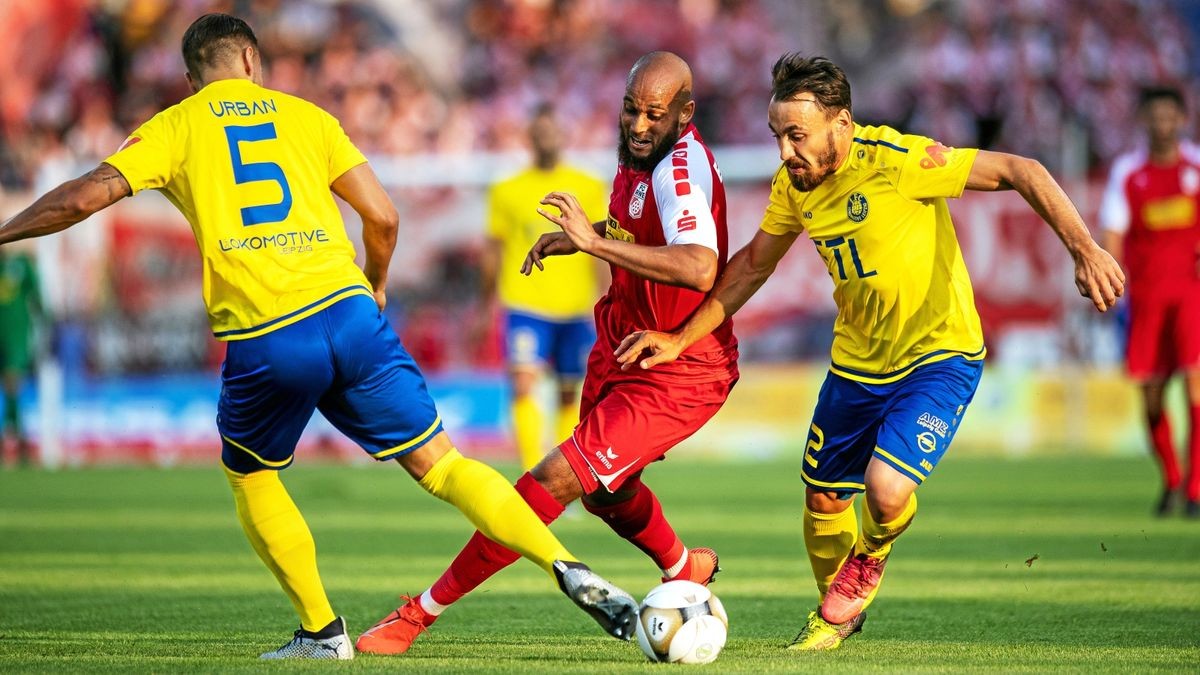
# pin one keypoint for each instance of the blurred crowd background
(453, 76)
(415, 83)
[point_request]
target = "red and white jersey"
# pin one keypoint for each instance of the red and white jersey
(682, 201)
(1157, 208)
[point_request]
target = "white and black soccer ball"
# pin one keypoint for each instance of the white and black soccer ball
(682, 622)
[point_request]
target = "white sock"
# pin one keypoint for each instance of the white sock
(671, 571)
(430, 605)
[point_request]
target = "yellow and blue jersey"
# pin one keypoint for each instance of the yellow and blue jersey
(882, 226)
(568, 288)
(250, 169)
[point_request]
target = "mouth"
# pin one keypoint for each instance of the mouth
(639, 145)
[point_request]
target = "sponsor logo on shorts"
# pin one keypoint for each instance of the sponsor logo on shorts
(925, 464)
(934, 424)
(639, 199)
(605, 456)
(926, 442)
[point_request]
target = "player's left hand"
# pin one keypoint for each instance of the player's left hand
(663, 348)
(1099, 277)
(573, 220)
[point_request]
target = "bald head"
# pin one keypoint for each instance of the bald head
(658, 106)
(664, 73)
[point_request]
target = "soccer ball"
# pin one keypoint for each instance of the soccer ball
(682, 622)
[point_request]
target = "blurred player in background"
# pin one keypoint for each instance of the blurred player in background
(908, 348)
(252, 170)
(20, 311)
(666, 242)
(548, 325)
(1151, 219)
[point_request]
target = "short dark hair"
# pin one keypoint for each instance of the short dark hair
(214, 37)
(795, 73)
(1148, 95)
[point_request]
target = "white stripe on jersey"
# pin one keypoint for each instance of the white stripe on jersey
(683, 189)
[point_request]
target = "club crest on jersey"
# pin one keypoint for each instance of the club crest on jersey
(857, 207)
(926, 442)
(639, 199)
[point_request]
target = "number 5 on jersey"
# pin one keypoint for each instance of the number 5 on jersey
(258, 171)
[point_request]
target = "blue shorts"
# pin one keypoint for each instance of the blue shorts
(563, 345)
(908, 424)
(344, 361)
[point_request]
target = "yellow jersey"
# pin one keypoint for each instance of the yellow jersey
(250, 169)
(882, 226)
(568, 288)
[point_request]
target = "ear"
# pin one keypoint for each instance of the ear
(686, 113)
(248, 61)
(844, 121)
(192, 83)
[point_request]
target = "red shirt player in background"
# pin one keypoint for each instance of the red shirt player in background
(666, 241)
(1151, 217)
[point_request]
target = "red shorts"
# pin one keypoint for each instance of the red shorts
(1164, 335)
(629, 419)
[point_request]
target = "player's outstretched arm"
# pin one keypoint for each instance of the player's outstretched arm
(67, 204)
(1097, 274)
(685, 265)
(360, 188)
(746, 272)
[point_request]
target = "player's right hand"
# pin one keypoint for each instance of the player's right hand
(1099, 278)
(663, 348)
(553, 243)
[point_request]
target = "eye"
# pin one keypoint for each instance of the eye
(797, 138)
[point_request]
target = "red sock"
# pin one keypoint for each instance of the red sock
(641, 521)
(1164, 448)
(482, 557)
(1193, 482)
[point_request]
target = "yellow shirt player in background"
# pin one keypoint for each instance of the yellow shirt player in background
(252, 170)
(907, 349)
(548, 322)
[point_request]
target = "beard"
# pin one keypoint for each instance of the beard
(647, 163)
(826, 165)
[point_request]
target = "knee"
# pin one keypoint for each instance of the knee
(825, 502)
(888, 501)
(556, 476)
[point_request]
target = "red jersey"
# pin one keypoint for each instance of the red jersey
(682, 201)
(1157, 208)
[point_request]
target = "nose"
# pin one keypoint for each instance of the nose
(641, 124)
(785, 150)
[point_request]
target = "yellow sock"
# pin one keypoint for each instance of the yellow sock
(494, 507)
(281, 538)
(527, 427)
(876, 540)
(568, 417)
(829, 538)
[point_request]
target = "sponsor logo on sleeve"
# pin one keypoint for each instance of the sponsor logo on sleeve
(128, 142)
(937, 156)
(687, 222)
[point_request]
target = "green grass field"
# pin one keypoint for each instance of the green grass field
(138, 570)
